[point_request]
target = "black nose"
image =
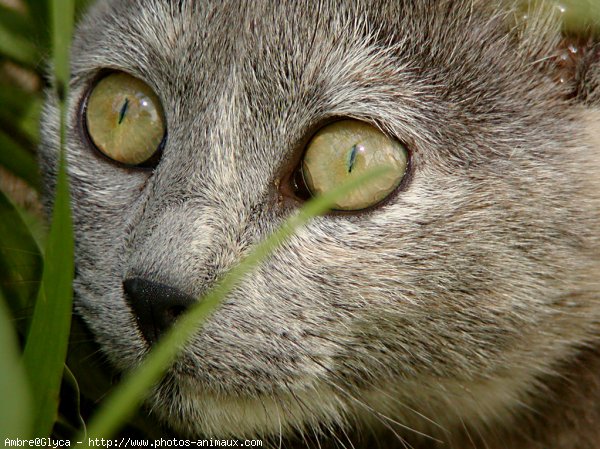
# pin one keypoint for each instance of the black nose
(156, 306)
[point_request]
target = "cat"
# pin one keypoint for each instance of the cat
(455, 304)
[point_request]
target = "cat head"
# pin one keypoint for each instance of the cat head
(470, 278)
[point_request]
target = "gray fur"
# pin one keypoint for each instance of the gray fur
(465, 308)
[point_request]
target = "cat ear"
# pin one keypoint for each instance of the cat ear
(579, 65)
(564, 40)
(577, 60)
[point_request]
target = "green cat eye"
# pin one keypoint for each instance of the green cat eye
(124, 119)
(346, 149)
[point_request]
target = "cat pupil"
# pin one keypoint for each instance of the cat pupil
(352, 158)
(123, 110)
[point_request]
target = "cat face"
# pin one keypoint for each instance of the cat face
(469, 279)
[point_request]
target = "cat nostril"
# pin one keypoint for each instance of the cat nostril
(173, 313)
(156, 306)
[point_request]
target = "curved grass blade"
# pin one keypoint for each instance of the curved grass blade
(17, 47)
(46, 346)
(20, 260)
(38, 13)
(128, 395)
(20, 112)
(15, 22)
(15, 407)
(18, 161)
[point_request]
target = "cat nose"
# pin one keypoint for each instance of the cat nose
(155, 306)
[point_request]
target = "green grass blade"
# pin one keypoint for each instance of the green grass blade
(46, 347)
(16, 32)
(130, 392)
(18, 161)
(17, 48)
(63, 14)
(36, 227)
(15, 407)
(15, 22)
(14, 100)
(38, 15)
(20, 260)
(20, 112)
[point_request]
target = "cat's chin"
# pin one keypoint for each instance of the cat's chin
(193, 411)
